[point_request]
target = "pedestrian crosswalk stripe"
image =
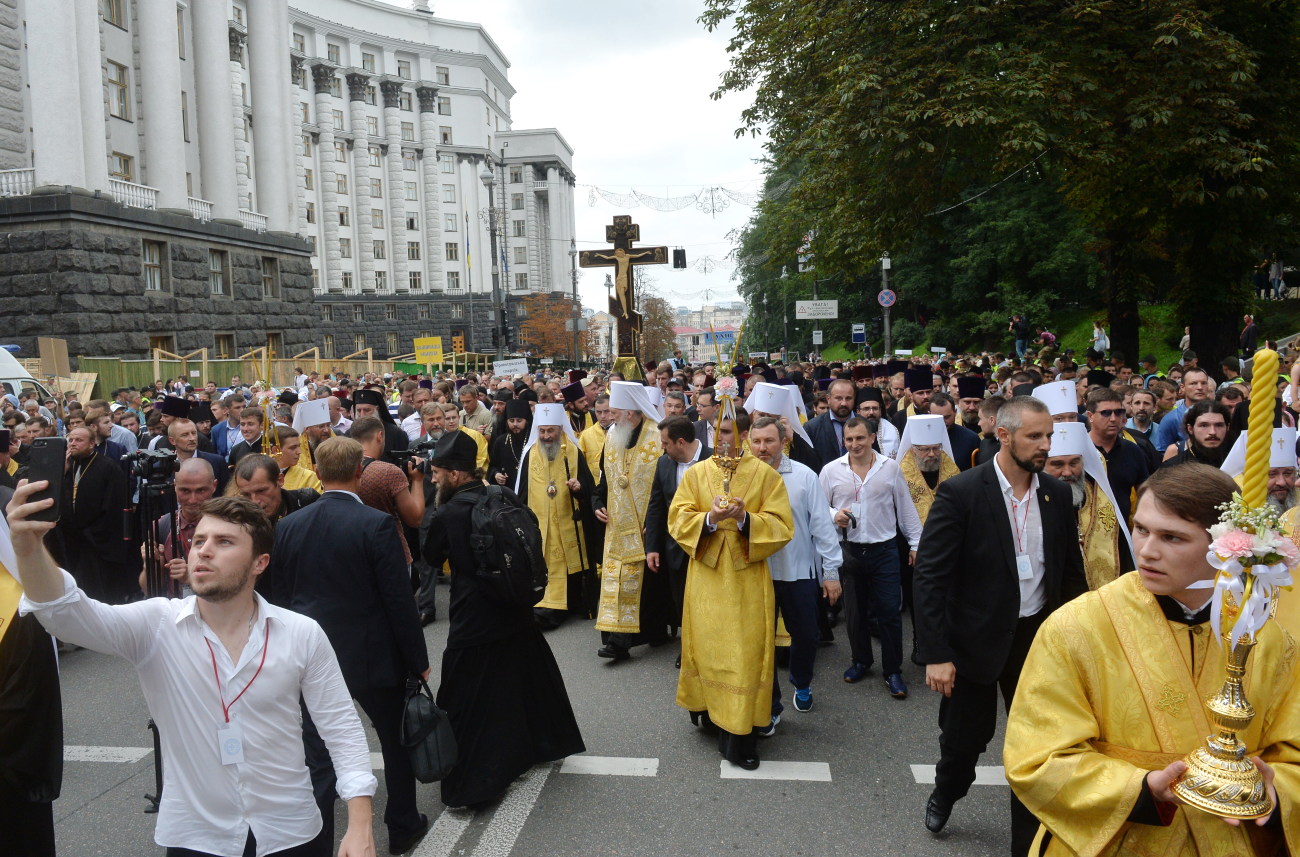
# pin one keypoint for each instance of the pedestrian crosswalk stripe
(818, 772)
(985, 775)
(78, 753)
(614, 766)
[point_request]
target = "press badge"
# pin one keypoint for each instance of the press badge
(1024, 569)
(230, 740)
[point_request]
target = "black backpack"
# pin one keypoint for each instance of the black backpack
(507, 545)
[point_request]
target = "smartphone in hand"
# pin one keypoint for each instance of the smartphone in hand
(46, 462)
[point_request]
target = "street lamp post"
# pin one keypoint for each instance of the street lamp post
(884, 274)
(489, 179)
(577, 307)
(785, 310)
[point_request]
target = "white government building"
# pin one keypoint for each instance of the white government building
(363, 127)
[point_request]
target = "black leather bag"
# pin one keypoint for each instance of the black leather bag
(426, 734)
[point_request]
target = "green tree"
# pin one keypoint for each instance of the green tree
(1166, 125)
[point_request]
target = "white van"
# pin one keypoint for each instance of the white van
(17, 380)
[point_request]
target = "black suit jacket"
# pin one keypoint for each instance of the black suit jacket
(965, 588)
(662, 489)
(965, 443)
(825, 442)
(359, 590)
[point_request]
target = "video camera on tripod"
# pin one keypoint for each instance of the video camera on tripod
(401, 456)
(152, 465)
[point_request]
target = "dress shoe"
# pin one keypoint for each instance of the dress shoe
(402, 844)
(937, 810)
(749, 763)
(897, 688)
(678, 662)
(614, 653)
(428, 617)
(856, 672)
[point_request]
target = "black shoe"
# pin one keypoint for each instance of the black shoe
(613, 652)
(678, 663)
(937, 810)
(749, 763)
(428, 617)
(406, 843)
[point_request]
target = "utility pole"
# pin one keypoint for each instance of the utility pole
(884, 275)
(489, 179)
(577, 306)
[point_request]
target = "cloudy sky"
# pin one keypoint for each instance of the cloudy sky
(569, 57)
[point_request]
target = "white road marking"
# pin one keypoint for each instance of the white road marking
(76, 753)
(444, 834)
(377, 761)
(613, 766)
(817, 772)
(985, 775)
(498, 839)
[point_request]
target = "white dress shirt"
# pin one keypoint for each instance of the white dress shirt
(881, 502)
(682, 466)
(814, 550)
(206, 805)
(1026, 538)
(413, 425)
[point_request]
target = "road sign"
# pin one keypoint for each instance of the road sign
(428, 349)
(859, 334)
(887, 297)
(817, 337)
(816, 309)
(758, 355)
(903, 352)
(548, 361)
(938, 349)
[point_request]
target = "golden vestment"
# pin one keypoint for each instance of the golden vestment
(592, 444)
(623, 565)
(481, 461)
(1112, 690)
(729, 615)
(301, 477)
(1099, 537)
(1288, 601)
(560, 533)
(922, 493)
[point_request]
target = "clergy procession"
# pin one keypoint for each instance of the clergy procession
(1002, 533)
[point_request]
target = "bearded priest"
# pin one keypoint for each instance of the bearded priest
(1106, 544)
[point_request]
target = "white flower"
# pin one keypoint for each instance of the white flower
(1220, 529)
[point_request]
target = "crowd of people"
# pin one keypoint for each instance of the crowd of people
(997, 501)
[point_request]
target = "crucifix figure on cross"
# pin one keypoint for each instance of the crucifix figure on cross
(623, 257)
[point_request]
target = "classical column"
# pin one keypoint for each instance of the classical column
(160, 103)
(536, 255)
(288, 112)
(561, 275)
(239, 122)
(331, 263)
(58, 139)
(431, 173)
(365, 246)
(268, 54)
(216, 126)
(90, 73)
(300, 193)
(392, 90)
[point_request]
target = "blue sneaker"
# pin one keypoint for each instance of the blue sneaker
(856, 672)
(803, 699)
(897, 689)
(770, 729)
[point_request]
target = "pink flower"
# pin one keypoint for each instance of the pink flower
(1288, 551)
(1234, 544)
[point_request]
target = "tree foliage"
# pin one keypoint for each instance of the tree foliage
(1165, 126)
(543, 331)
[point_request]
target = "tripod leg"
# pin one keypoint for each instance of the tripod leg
(155, 799)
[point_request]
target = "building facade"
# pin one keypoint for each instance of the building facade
(237, 173)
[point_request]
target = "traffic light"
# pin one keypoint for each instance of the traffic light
(512, 337)
(496, 337)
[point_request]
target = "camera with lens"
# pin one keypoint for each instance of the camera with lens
(401, 456)
(152, 465)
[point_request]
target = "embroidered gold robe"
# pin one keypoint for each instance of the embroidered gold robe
(561, 535)
(1099, 538)
(1288, 602)
(729, 614)
(592, 444)
(1112, 690)
(623, 567)
(922, 493)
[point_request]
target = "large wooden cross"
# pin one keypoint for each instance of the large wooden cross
(622, 257)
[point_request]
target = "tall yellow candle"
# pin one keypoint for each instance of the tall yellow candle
(1259, 428)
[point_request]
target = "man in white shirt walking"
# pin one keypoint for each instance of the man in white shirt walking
(869, 501)
(222, 672)
(807, 565)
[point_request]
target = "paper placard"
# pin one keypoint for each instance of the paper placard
(515, 366)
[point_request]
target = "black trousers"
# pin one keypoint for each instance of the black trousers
(27, 825)
(967, 721)
(318, 847)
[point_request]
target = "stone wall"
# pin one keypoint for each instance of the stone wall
(13, 123)
(338, 319)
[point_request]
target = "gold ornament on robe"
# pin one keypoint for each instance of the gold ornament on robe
(921, 492)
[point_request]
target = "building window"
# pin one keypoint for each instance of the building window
(521, 282)
(336, 88)
(452, 251)
(521, 255)
(345, 216)
(372, 128)
(309, 179)
(487, 115)
(340, 151)
(392, 344)
(413, 250)
(518, 228)
(347, 281)
(453, 281)
(358, 312)
(408, 132)
(306, 145)
(270, 277)
(306, 112)
(121, 166)
(444, 135)
(457, 311)
(408, 160)
(218, 272)
(404, 69)
(449, 222)
(332, 53)
(328, 346)
(516, 175)
(377, 218)
(300, 78)
(521, 311)
(311, 212)
(376, 156)
(345, 248)
(376, 188)
(300, 43)
(370, 96)
(415, 280)
(237, 12)
(119, 90)
(422, 312)
(444, 105)
(180, 32)
(390, 312)
(224, 345)
(185, 116)
(447, 163)
(404, 101)
(443, 75)
(115, 12)
(516, 202)
(338, 119)
(367, 61)
(341, 184)
(412, 191)
(381, 281)
(381, 251)
(449, 193)
(412, 221)
(358, 342)
(154, 252)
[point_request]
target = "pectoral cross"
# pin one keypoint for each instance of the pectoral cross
(622, 257)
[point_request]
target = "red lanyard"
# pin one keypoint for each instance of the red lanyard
(225, 709)
(1017, 528)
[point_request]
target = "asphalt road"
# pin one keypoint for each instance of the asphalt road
(658, 787)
